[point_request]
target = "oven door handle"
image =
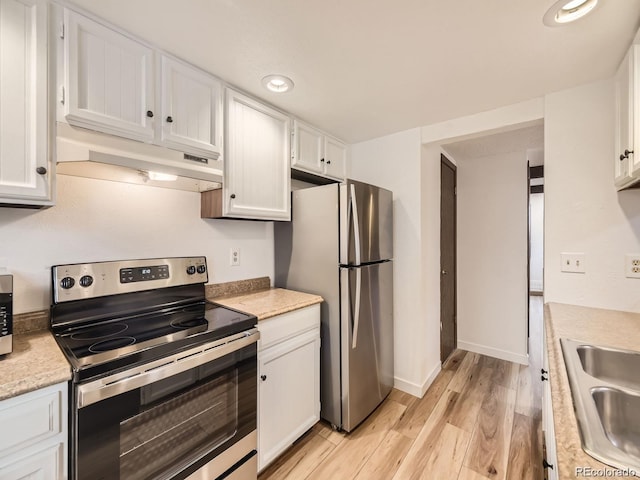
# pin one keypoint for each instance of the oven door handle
(149, 373)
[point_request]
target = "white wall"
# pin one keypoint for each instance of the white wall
(492, 255)
(536, 209)
(583, 211)
(393, 162)
(96, 220)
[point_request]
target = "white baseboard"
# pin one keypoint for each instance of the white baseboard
(494, 352)
(417, 390)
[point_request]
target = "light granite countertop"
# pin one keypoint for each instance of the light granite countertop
(597, 326)
(267, 303)
(36, 362)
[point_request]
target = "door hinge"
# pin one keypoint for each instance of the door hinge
(61, 30)
(62, 94)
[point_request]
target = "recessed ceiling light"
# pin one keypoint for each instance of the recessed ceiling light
(277, 83)
(565, 11)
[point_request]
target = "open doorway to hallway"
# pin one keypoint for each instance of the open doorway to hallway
(492, 236)
(536, 222)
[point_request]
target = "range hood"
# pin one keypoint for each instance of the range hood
(85, 153)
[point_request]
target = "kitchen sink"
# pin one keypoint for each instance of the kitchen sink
(619, 414)
(605, 386)
(620, 367)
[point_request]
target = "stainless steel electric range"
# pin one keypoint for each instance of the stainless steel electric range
(164, 382)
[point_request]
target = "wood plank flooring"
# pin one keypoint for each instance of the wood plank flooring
(479, 420)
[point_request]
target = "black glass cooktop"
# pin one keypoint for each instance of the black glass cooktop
(95, 348)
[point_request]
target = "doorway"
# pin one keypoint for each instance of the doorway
(448, 239)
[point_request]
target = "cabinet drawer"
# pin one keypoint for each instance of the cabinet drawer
(282, 327)
(30, 418)
(47, 464)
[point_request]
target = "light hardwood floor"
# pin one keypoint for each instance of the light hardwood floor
(479, 420)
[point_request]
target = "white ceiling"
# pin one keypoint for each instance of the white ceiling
(529, 140)
(365, 68)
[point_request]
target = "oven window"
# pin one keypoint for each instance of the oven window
(179, 430)
(170, 427)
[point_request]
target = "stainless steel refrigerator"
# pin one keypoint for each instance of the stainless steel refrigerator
(339, 244)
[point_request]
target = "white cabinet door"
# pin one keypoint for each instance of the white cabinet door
(33, 438)
(109, 80)
(289, 393)
(25, 175)
(317, 153)
(191, 118)
(256, 163)
(624, 121)
(547, 415)
(45, 465)
(335, 158)
(308, 152)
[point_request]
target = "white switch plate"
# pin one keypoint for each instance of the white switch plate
(573, 262)
(234, 261)
(632, 265)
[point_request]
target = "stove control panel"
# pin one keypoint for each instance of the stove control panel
(89, 280)
(143, 274)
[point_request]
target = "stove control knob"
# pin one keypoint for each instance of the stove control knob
(191, 270)
(67, 283)
(201, 269)
(86, 281)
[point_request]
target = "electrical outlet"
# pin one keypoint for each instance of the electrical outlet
(235, 257)
(573, 262)
(632, 265)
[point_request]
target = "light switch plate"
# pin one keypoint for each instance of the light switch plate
(573, 262)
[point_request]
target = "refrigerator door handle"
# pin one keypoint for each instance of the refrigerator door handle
(356, 223)
(356, 310)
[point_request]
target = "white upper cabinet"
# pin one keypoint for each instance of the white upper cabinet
(256, 166)
(309, 148)
(108, 79)
(191, 108)
(25, 173)
(117, 85)
(317, 153)
(627, 93)
(335, 158)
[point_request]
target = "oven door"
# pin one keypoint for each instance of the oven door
(190, 415)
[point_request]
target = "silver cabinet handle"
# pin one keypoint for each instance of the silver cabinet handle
(444, 272)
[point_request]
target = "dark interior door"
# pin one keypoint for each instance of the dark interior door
(448, 326)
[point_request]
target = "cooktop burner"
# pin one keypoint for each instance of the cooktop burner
(106, 345)
(100, 331)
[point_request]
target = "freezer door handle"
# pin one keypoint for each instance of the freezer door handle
(356, 310)
(356, 223)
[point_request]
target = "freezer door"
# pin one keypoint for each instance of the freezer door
(366, 223)
(367, 339)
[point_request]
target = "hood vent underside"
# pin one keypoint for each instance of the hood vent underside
(84, 153)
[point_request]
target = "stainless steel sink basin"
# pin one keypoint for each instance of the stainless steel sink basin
(612, 366)
(619, 414)
(605, 386)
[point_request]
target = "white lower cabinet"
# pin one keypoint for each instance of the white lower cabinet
(288, 380)
(550, 459)
(33, 443)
